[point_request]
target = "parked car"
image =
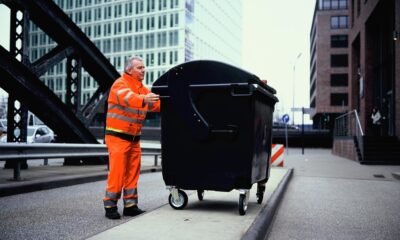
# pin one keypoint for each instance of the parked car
(36, 134)
(3, 126)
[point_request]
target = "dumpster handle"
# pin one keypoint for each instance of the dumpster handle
(234, 94)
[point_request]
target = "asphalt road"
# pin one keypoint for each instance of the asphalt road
(74, 212)
(335, 198)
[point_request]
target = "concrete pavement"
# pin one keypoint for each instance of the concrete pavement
(216, 217)
(330, 197)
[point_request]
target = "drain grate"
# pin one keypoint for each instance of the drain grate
(379, 176)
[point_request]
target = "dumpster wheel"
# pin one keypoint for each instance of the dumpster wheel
(200, 194)
(260, 192)
(178, 202)
(242, 204)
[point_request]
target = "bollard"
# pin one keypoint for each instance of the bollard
(17, 171)
(155, 160)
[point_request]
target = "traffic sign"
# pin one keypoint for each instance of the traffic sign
(285, 118)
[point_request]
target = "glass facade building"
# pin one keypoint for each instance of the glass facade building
(164, 33)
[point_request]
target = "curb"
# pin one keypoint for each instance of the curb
(396, 175)
(36, 185)
(262, 223)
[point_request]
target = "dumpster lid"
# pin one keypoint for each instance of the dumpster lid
(211, 72)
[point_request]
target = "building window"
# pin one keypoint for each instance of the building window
(339, 60)
(150, 40)
(162, 4)
(162, 39)
(339, 22)
(107, 29)
(69, 4)
(173, 38)
(107, 12)
(117, 44)
(339, 41)
(339, 80)
(107, 46)
(339, 99)
(139, 42)
(88, 16)
(78, 17)
(118, 10)
(97, 30)
(151, 5)
(334, 4)
(97, 14)
(128, 26)
(117, 28)
(139, 25)
(127, 43)
(128, 9)
(139, 6)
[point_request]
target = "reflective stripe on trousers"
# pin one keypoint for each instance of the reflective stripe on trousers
(124, 162)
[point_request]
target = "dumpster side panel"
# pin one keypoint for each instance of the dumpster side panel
(263, 139)
(223, 161)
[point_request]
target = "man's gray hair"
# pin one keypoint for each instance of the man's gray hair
(129, 62)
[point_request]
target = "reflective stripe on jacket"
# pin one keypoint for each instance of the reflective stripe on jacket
(126, 110)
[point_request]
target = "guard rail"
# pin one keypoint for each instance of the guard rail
(19, 151)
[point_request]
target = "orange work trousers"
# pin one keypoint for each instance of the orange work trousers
(124, 164)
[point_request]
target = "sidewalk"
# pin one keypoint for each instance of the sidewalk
(330, 197)
(216, 217)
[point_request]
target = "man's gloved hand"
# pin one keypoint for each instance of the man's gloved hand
(150, 98)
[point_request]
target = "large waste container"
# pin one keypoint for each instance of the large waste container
(216, 123)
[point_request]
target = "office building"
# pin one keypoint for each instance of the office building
(164, 33)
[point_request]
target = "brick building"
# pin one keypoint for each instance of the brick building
(374, 62)
(329, 62)
(372, 67)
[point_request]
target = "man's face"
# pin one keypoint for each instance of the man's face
(138, 70)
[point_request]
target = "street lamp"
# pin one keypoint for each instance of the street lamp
(294, 75)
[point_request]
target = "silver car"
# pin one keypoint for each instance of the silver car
(36, 134)
(3, 126)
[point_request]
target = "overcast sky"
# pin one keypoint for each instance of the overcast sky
(275, 32)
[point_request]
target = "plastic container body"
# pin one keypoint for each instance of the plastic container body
(216, 123)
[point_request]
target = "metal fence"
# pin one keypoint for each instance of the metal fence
(348, 125)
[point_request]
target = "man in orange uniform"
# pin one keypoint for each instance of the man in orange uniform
(128, 103)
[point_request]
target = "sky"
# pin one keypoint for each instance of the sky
(275, 33)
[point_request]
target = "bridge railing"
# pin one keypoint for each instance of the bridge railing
(39, 151)
(348, 125)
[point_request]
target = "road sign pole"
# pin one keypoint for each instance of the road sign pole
(287, 146)
(285, 119)
(302, 131)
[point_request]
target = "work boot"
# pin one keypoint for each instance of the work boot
(112, 213)
(133, 211)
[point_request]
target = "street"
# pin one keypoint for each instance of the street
(74, 212)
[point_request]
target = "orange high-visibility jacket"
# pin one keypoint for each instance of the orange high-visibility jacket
(126, 110)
